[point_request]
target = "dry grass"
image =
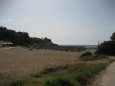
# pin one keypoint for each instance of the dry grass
(19, 62)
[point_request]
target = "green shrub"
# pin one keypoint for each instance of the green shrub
(78, 75)
(86, 54)
(60, 81)
(82, 78)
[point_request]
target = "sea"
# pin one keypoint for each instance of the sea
(91, 46)
(86, 46)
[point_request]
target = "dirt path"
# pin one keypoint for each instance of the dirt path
(106, 78)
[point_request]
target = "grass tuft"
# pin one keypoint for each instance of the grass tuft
(85, 73)
(50, 70)
(61, 81)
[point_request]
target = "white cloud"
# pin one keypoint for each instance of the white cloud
(6, 20)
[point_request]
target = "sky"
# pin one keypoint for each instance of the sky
(70, 22)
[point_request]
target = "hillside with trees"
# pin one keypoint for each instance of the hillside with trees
(20, 38)
(107, 47)
(23, 39)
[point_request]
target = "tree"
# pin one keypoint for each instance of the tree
(107, 47)
(47, 40)
(20, 38)
(113, 37)
(8, 35)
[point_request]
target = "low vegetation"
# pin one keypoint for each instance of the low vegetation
(87, 56)
(61, 81)
(78, 74)
(50, 70)
(85, 73)
(81, 74)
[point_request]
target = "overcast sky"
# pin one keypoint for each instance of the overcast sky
(63, 21)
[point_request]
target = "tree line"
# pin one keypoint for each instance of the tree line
(107, 47)
(20, 38)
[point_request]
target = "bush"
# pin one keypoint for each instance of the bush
(60, 81)
(86, 54)
(93, 57)
(82, 78)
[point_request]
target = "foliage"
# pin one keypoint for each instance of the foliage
(113, 37)
(81, 73)
(50, 70)
(93, 57)
(60, 81)
(107, 47)
(85, 72)
(20, 38)
(86, 54)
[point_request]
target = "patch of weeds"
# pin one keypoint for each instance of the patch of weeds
(22, 83)
(81, 74)
(88, 57)
(84, 73)
(50, 70)
(60, 81)
(82, 78)
(86, 54)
